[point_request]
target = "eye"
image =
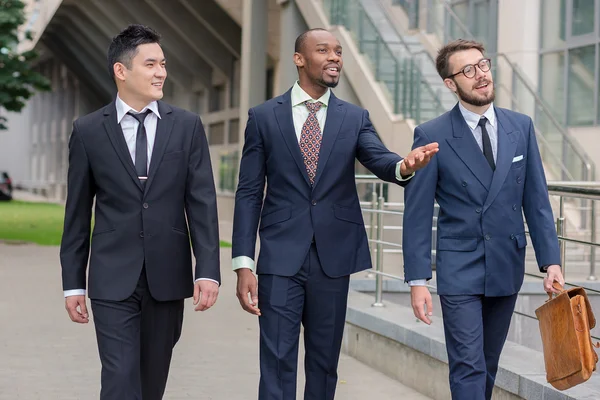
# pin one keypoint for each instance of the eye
(322, 50)
(339, 52)
(467, 69)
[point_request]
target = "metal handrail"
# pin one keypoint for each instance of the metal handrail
(587, 190)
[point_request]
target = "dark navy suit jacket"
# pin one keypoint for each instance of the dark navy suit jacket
(292, 212)
(480, 231)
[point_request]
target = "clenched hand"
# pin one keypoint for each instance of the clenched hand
(420, 297)
(418, 158)
(77, 309)
(205, 294)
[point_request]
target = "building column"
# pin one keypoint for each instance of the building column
(292, 25)
(254, 57)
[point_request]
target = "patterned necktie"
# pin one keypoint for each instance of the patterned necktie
(310, 140)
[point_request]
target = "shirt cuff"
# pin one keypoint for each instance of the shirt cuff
(399, 175)
(418, 282)
(242, 262)
(74, 292)
(206, 279)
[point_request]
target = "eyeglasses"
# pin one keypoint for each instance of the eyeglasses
(470, 70)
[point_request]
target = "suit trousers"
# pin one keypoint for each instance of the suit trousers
(316, 301)
(475, 328)
(136, 337)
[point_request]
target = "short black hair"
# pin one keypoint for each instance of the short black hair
(302, 38)
(123, 47)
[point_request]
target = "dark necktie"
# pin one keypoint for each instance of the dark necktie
(141, 147)
(487, 144)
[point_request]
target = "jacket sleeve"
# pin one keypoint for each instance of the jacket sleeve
(201, 208)
(75, 242)
(250, 191)
(417, 224)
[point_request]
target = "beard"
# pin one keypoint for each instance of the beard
(476, 101)
(331, 84)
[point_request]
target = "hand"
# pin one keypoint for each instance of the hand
(77, 309)
(420, 297)
(205, 294)
(553, 274)
(418, 158)
(247, 284)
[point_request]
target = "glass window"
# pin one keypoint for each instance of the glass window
(583, 17)
(481, 21)
(462, 12)
(216, 133)
(234, 131)
(552, 85)
(228, 171)
(582, 62)
(217, 98)
(553, 23)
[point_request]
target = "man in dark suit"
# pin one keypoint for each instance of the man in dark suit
(147, 166)
(304, 144)
(488, 173)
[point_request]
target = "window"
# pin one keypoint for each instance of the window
(216, 134)
(553, 23)
(234, 131)
(228, 171)
(582, 64)
(582, 21)
(552, 85)
(217, 98)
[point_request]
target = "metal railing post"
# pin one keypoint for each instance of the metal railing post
(560, 231)
(372, 229)
(592, 276)
(379, 256)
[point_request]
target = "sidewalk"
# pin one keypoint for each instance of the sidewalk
(45, 356)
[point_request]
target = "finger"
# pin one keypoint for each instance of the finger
(75, 315)
(422, 316)
(204, 297)
(84, 311)
(429, 304)
(196, 294)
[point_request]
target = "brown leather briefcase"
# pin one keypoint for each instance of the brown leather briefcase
(565, 323)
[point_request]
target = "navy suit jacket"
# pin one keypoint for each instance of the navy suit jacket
(293, 211)
(481, 236)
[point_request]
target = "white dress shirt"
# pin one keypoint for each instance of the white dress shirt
(129, 126)
(299, 115)
(491, 126)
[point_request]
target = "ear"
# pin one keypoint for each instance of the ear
(450, 84)
(298, 60)
(119, 71)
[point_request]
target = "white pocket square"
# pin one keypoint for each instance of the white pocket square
(518, 158)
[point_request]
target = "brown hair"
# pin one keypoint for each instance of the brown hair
(441, 61)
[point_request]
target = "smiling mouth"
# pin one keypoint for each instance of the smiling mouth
(157, 84)
(333, 71)
(483, 85)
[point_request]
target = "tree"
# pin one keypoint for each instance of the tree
(18, 80)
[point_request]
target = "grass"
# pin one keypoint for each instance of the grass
(39, 223)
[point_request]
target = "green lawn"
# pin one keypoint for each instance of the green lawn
(39, 223)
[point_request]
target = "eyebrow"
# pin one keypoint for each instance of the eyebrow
(467, 65)
(337, 46)
(154, 60)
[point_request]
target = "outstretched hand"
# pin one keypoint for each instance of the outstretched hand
(418, 158)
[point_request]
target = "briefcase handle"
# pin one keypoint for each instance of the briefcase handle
(556, 286)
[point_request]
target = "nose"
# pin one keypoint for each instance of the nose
(333, 56)
(161, 71)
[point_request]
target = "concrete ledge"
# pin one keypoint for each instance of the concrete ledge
(391, 340)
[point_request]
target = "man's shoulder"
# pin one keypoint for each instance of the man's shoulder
(512, 116)
(268, 105)
(437, 125)
(94, 117)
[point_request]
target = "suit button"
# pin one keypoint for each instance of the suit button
(464, 184)
(314, 202)
(145, 205)
(142, 234)
(487, 237)
(478, 210)
(514, 207)
(519, 180)
(512, 237)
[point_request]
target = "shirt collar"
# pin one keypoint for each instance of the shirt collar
(472, 119)
(123, 109)
(299, 96)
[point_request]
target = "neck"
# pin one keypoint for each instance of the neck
(313, 89)
(133, 102)
(480, 110)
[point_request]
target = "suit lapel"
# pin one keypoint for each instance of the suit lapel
(507, 145)
(283, 115)
(465, 146)
(163, 133)
(115, 134)
(335, 116)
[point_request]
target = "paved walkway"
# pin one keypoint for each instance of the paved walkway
(45, 356)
